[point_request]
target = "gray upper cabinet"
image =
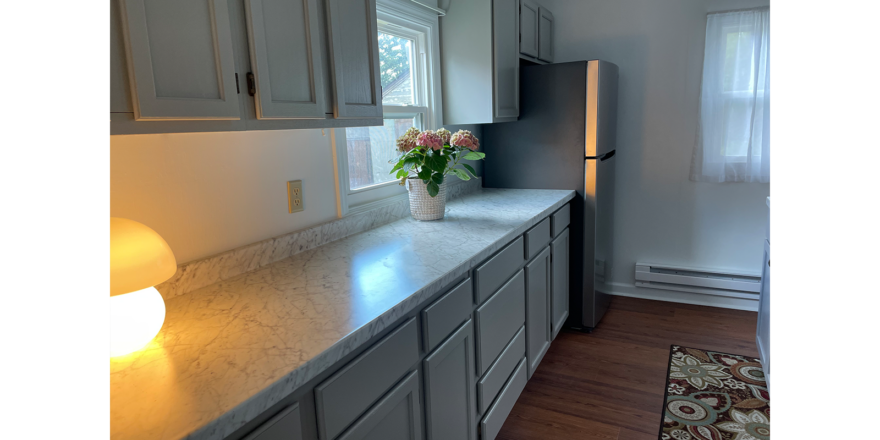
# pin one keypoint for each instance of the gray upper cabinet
(354, 52)
(230, 65)
(398, 416)
(179, 59)
(450, 404)
(545, 35)
(285, 58)
(559, 279)
(538, 334)
(479, 61)
(505, 35)
(528, 28)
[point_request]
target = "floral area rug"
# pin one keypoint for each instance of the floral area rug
(715, 396)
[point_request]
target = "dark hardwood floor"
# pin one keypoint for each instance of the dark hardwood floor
(609, 384)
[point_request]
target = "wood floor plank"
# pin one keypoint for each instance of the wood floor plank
(609, 384)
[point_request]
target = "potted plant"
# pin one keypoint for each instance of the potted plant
(426, 158)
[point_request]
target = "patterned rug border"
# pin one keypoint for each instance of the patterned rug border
(666, 381)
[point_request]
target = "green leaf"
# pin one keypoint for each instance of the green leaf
(437, 178)
(460, 174)
(470, 169)
(402, 173)
(474, 155)
(398, 166)
(436, 163)
(433, 189)
(425, 174)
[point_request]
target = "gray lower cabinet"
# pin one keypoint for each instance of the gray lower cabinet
(398, 416)
(559, 279)
(538, 334)
(348, 393)
(498, 321)
(449, 387)
(494, 419)
(286, 425)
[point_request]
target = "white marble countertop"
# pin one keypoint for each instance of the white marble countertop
(231, 350)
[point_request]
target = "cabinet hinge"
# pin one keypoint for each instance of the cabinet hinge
(237, 89)
(252, 86)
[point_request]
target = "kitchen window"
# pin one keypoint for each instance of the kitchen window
(409, 69)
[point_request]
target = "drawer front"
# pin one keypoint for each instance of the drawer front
(498, 321)
(494, 419)
(489, 386)
(447, 313)
(493, 273)
(560, 219)
(537, 238)
(398, 416)
(286, 425)
(343, 397)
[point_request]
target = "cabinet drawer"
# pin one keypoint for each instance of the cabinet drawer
(491, 424)
(499, 319)
(286, 425)
(489, 386)
(537, 238)
(493, 273)
(447, 313)
(560, 219)
(343, 397)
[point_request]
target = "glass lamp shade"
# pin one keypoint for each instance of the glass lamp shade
(139, 257)
(139, 260)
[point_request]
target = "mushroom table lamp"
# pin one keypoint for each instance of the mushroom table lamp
(139, 260)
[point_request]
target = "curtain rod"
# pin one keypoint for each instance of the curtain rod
(736, 10)
(439, 11)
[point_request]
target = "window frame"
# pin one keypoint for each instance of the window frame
(405, 19)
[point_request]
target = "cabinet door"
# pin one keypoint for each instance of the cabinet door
(559, 266)
(286, 58)
(286, 425)
(545, 35)
(505, 42)
(763, 333)
(538, 309)
(528, 28)
(450, 403)
(398, 416)
(354, 52)
(180, 60)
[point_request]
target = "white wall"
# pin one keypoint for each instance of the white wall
(207, 193)
(661, 216)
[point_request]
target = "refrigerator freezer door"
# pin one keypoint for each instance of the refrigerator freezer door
(598, 238)
(601, 115)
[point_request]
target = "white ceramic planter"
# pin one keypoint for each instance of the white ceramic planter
(421, 204)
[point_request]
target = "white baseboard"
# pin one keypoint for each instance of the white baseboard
(699, 299)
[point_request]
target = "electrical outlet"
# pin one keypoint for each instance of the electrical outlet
(294, 196)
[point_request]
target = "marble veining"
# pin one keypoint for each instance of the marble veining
(200, 273)
(230, 350)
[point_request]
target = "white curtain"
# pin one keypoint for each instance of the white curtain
(733, 141)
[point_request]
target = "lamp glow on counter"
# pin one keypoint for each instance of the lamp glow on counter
(139, 260)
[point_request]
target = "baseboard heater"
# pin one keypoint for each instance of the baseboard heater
(683, 279)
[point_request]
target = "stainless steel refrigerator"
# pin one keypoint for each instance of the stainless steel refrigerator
(565, 138)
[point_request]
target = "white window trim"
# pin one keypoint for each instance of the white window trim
(397, 17)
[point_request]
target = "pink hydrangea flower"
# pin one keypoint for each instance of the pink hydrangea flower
(465, 139)
(445, 135)
(408, 141)
(430, 139)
